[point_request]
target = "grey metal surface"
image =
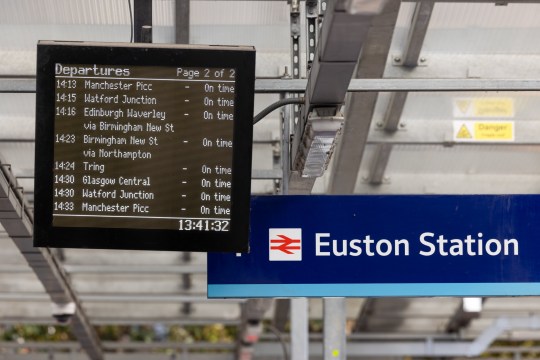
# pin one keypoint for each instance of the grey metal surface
(335, 318)
(44, 264)
(342, 36)
(299, 330)
(389, 124)
(360, 107)
(417, 33)
(182, 24)
(269, 86)
(142, 17)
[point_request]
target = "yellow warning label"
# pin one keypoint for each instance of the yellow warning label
(480, 131)
(494, 131)
(493, 107)
(463, 133)
(483, 107)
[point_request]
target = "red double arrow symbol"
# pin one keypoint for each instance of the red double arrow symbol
(286, 244)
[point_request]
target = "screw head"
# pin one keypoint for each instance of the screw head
(397, 59)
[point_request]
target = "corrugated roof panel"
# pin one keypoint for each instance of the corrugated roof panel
(485, 15)
(74, 12)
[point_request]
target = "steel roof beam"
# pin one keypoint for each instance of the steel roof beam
(341, 38)
(113, 298)
(17, 220)
(389, 125)
(281, 313)
(360, 107)
(134, 269)
(366, 310)
(417, 32)
(273, 86)
(410, 59)
(181, 20)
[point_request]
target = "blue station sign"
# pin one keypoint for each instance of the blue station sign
(402, 245)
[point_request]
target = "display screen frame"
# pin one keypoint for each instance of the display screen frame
(241, 58)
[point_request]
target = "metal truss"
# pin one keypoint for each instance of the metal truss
(17, 220)
(274, 86)
(410, 59)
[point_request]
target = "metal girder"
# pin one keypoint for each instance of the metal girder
(410, 85)
(134, 269)
(18, 84)
(341, 38)
(359, 107)
(366, 310)
(379, 164)
(17, 221)
(153, 298)
(417, 32)
(181, 18)
(273, 86)
(281, 313)
(299, 329)
(335, 318)
(292, 182)
(142, 21)
(410, 59)
(390, 125)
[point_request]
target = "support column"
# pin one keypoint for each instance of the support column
(182, 21)
(142, 18)
(299, 329)
(335, 340)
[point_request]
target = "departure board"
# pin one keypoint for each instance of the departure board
(143, 147)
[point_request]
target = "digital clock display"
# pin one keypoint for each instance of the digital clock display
(203, 225)
(139, 140)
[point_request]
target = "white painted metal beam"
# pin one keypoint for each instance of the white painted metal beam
(359, 108)
(17, 221)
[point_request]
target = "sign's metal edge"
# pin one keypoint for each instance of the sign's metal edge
(373, 290)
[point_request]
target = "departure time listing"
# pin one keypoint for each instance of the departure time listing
(143, 147)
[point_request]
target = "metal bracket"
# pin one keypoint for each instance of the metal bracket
(397, 60)
(312, 15)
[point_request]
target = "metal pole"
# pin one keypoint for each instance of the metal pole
(142, 17)
(299, 329)
(182, 21)
(334, 329)
(286, 147)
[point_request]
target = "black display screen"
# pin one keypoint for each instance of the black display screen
(143, 147)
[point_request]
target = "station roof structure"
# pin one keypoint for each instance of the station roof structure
(426, 64)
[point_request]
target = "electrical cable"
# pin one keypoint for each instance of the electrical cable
(130, 21)
(276, 105)
(276, 332)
